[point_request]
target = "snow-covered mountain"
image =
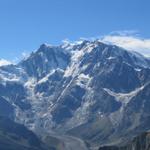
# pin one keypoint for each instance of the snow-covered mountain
(97, 92)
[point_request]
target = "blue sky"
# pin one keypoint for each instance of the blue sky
(25, 24)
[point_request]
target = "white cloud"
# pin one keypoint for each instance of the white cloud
(129, 41)
(25, 54)
(4, 62)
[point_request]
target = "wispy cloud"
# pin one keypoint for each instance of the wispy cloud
(25, 54)
(129, 40)
(4, 62)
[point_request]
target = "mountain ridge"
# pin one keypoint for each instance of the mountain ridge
(68, 89)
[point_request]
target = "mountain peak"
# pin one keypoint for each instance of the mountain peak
(88, 84)
(44, 45)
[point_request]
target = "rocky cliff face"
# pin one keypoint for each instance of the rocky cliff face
(15, 136)
(97, 92)
(141, 142)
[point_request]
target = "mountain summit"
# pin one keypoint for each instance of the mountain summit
(86, 91)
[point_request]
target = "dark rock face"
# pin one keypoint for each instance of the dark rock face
(109, 148)
(16, 93)
(14, 136)
(6, 109)
(91, 90)
(45, 59)
(141, 142)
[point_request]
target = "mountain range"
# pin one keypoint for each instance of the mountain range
(87, 94)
